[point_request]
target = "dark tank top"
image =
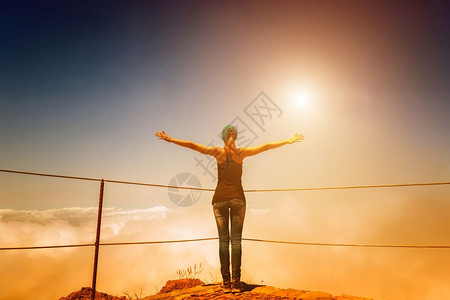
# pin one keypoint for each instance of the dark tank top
(229, 185)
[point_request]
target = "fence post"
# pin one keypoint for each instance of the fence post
(97, 239)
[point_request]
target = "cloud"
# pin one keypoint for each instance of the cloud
(52, 273)
(407, 217)
(375, 217)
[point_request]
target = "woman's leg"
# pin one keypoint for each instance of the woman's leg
(237, 215)
(221, 212)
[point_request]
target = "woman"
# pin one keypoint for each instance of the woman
(229, 199)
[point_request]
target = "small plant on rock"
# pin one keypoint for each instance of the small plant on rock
(189, 272)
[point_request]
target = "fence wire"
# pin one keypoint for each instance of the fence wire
(214, 238)
(212, 190)
(244, 239)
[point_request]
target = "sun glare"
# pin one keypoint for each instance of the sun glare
(302, 98)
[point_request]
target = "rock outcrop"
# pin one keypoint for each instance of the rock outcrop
(201, 291)
(195, 289)
(86, 294)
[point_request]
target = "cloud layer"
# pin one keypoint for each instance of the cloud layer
(370, 272)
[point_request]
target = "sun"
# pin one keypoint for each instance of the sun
(302, 98)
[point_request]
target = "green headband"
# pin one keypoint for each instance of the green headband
(225, 132)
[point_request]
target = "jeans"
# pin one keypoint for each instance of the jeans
(224, 211)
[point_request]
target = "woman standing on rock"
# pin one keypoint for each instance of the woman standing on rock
(229, 199)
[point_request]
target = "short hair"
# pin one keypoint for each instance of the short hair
(225, 130)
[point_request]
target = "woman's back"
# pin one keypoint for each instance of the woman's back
(229, 182)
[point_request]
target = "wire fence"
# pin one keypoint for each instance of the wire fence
(212, 190)
(97, 243)
(245, 239)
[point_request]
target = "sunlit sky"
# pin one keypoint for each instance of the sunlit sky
(83, 88)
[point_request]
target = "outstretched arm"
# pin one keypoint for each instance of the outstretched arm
(191, 145)
(261, 148)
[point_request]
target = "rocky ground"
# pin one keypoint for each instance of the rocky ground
(86, 294)
(195, 289)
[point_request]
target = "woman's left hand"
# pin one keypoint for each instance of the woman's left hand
(163, 136)
(296, 138)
